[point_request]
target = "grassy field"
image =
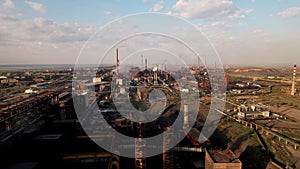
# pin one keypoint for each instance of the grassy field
(279, 101)
(280, 98)
(281, 152)
(243, 142)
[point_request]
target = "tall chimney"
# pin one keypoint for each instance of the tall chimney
(142, 61)
(293, 92)
(155, 75)
(117, 61)
(146, 64)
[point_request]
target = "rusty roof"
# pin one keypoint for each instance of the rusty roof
(223, 156)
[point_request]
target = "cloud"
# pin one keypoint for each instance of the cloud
(258, 31)
(108, 13)
(222, 25)
(157, 7)
(208, 9)
(290, 12)
(7, 18)
(39, 39)
(36, 6)
(42, 30)
(247, 11)
(8, 4)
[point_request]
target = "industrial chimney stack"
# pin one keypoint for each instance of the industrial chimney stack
(293, 92)
(117, 61)
(142, 61)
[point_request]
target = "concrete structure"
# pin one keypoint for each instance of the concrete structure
(155, 69)
(241, 114)
(265, 113)
(97, 79)
(123, 90)
(185, 116)
(119, 81)
(246, 111)
(31, 91)
(81, 102)
(263, 130)
(184, 90)
(252, 107)
(293, 92)
(142, 61)
(6, 80)
(221, 159)
(167, 154)
(251, 114)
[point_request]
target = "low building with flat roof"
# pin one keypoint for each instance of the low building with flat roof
(221, 159)
(253, 114)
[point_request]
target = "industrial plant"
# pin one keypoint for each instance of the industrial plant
(43, 111)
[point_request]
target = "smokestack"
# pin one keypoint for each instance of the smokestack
(142, 61)
(185, 116)
(117, 61)
(146, 64)
(155, 75)
(293, 92)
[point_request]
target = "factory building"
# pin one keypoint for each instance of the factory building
(221, 159)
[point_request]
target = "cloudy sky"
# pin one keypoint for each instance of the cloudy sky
(247, 32)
